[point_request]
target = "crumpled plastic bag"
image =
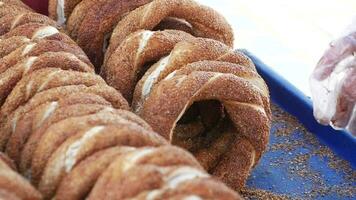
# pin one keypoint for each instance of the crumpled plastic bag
(333, 84)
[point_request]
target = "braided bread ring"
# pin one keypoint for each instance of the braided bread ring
(8, 195)
(37, 103)
(91, 140)
(9, 22)
(36, 31)
(57, 133)
(8, 124)
(60, 10)
(13, 75)
(38, 48)
(29, 148)
(10, 163)
(138, 178)
(49, 113)
(76, 186)
(185, 52)
(212, 25)
(17, 3)
(243, 97)
(150, 161)
(11, 44)
(101, 17)
(42, 151)
(13, 186)
(78, 15)
(153, 180)
(12, 8)
(140, 48)
(44, 79)
(194, 189)
(231, 68)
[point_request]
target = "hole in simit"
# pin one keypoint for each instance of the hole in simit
(205, 129)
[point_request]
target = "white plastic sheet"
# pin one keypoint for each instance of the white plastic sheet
(333, 83)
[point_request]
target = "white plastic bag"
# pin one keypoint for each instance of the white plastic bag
(333, 84)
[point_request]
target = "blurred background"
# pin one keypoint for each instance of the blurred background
(289, 36)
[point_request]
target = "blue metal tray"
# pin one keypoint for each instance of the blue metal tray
(304, 160)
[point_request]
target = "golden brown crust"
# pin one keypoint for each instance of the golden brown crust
(63, 60)
(5, 159)
(186, 52)
(139, 49)
(64, 11)
(8, 123)
(38, 48)
(9, 22)
(57, 133)
(48, 113)
(77, 16)
(130, 53)
(195, 189)
(17, 3)
(242, 155)
(13, 75)
(29, 148)
(153, 172)
(212, 25)
(60, 121)
(44, 79)
(11, 44)
(133, 169)
(12, 8)
(37, 31)
(231, 68)
(242, 93)
(8, 195)
(91, 140)
(101, 17)
(108, 93)
(14, 186)
(78, 183)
